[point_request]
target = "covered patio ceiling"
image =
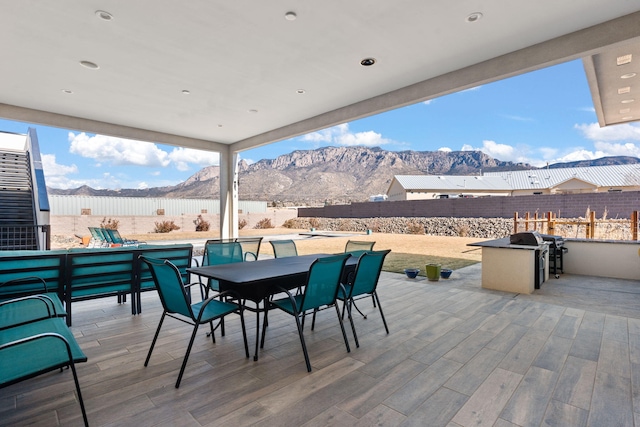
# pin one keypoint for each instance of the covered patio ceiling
(230, 76)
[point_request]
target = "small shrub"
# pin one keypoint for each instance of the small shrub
(290, 223)
(201, 224)
(345, 225)
(242, 224)
(463, 230)
(314, 222)
(264, 223)
(111, 224)
(166, 227)
(415, 228)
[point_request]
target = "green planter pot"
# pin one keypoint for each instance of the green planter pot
(433, 272)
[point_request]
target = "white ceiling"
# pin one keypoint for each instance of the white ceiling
(243, 63)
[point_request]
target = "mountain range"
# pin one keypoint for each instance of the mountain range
(332, 175)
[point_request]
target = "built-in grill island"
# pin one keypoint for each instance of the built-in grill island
(533, 238)
(518, 263)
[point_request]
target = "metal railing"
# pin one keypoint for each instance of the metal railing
(25, 237)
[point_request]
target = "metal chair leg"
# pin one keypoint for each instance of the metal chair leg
(155, 337)
(186, 356)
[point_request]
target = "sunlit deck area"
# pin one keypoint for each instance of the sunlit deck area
(456, 355)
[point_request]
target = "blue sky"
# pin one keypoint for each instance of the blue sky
(539, 117)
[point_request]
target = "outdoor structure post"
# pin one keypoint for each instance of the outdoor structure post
(228, 194)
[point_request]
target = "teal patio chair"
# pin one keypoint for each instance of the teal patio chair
(250, 247)
(97, 238)
(22, 310)
(364, 283)
(358, 247)
(34, 346)
(320, 291)
(284, 248)
(116, 238)
(176, 304)
(217, 252)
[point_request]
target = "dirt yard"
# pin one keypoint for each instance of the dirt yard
(449, 247)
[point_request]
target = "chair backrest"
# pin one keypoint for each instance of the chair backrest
(218, 252)
(114, 236)
(250, 247)
(180, 256)
(368, 272)
(284, 248)
(170, 286)
(105, 236)
(358, 247)
(94, 233)
(323, 281)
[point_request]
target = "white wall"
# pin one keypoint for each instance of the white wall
(616, 259)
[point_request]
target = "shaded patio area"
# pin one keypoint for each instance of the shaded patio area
(456, 355)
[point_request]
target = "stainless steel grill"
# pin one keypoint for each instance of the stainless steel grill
(556, 253)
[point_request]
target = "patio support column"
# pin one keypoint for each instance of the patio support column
(228, 193)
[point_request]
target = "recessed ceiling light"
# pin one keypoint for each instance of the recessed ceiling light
(300, 91)
(67, 91)
(628, 75)
(627, 101)
(290, 16)
(624, 59)
(367, 62)
(106, 16)
(89, 64)
(473, 17)
(624, 90)
(627, 118)
(253, 111)
(185, 92)
(625, 110)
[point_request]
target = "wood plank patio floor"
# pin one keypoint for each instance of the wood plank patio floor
(456, 355)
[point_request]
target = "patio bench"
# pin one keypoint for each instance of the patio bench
(78, 274)
(98, 273)
(24, 273)
(35, 346)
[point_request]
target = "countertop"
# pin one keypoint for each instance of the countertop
(505, 243)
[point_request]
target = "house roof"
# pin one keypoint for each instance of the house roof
(452, 183)
(229, 76)
(539, 179)
(600, 176)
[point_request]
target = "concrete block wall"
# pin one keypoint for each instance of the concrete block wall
(616, 205)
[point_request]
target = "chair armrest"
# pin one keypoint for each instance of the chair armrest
(27, 279)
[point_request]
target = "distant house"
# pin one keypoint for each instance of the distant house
(415, 187)
(594, 179)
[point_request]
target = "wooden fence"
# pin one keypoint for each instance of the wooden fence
(590, 227)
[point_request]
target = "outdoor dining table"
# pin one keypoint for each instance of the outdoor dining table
(257, 280)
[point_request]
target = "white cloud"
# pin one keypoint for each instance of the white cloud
(518, 118)
(502, 152)
(340, 135)
(56, 174)
(182, 157)
(117, 151)
(445, 149)
(428, 101)
(620, 132)
(52, 168)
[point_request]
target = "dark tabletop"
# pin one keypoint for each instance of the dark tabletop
(256, 280)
